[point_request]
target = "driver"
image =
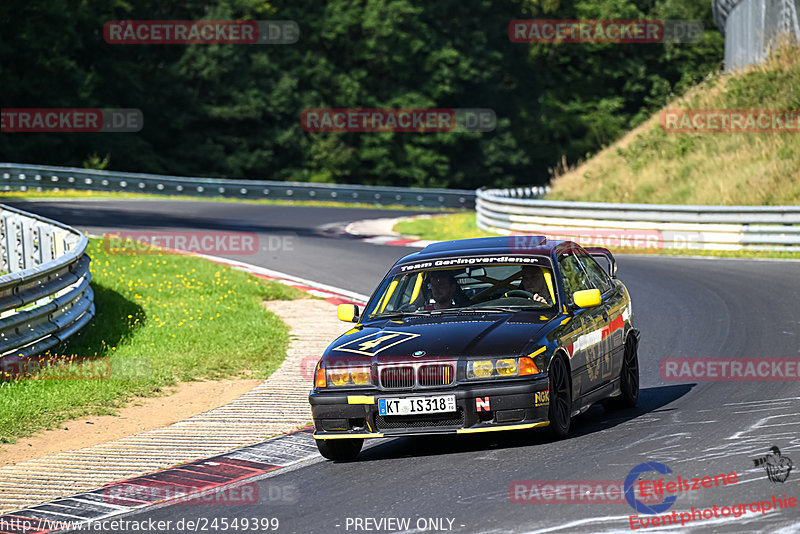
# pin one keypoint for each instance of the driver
(445, 290)
(533, 282)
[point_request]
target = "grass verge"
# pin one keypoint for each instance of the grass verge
(161, 319)
(463, 226)
(442, 228)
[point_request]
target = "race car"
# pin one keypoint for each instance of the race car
(479, 335)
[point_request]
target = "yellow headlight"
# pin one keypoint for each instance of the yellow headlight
(482, 368)
(360, 376)
(506, 367)
(339, 377)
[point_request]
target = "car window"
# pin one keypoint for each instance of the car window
(507, 285)
(574, 275)
(597, 276)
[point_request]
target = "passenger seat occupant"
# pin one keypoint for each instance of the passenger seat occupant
(533, 282)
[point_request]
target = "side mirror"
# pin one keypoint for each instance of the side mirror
(349, 312)
(586, 298)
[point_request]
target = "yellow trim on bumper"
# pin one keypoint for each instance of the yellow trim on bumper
(350, 436)
(498, 428)
(360, 399)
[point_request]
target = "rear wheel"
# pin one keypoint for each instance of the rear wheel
(340, 450)
(560, 411)
(628, 380)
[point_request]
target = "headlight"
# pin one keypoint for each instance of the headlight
(360, 377)
(501, 368)
(347, 376)
(339, 377)
(480, 369)
(507, 367)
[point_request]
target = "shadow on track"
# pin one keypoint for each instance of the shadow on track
(594, 420)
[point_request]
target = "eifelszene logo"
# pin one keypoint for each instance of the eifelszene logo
(776, 465)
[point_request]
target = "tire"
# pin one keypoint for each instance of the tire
(628, 380)
(560, 409)
(339, 450)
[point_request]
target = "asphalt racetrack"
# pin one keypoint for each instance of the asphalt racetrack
(684, 307)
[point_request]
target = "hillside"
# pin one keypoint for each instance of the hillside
(650, 165)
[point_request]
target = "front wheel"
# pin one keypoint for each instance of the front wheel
(340, 450)
(560, 410)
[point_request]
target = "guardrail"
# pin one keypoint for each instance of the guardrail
(644, 226)
(752, 27)
(15, 176)
(45, 295)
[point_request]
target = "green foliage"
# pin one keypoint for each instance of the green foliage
(96, 162)
(234, 110)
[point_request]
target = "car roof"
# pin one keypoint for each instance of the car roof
(525, 245)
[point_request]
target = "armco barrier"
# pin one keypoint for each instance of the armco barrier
(752, 27)
(514, 211)
(15, 176)
(45, 295)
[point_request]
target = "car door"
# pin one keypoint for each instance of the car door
(613, 304)
(584, 332)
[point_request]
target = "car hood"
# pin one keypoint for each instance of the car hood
(424, 338)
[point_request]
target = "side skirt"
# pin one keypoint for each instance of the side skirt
(612, 389)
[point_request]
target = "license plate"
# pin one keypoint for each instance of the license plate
(417, 405)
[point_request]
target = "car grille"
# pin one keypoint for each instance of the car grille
(395, 422)
(421, 374)
(397, 377)
(435, 375)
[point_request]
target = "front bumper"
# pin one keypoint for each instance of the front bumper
(512, 405)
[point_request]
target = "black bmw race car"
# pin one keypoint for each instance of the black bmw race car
(479, 335)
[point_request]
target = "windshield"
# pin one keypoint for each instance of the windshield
(510, 287)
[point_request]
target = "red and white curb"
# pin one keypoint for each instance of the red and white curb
(392, 240)
(213, 481)
(375, 232)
